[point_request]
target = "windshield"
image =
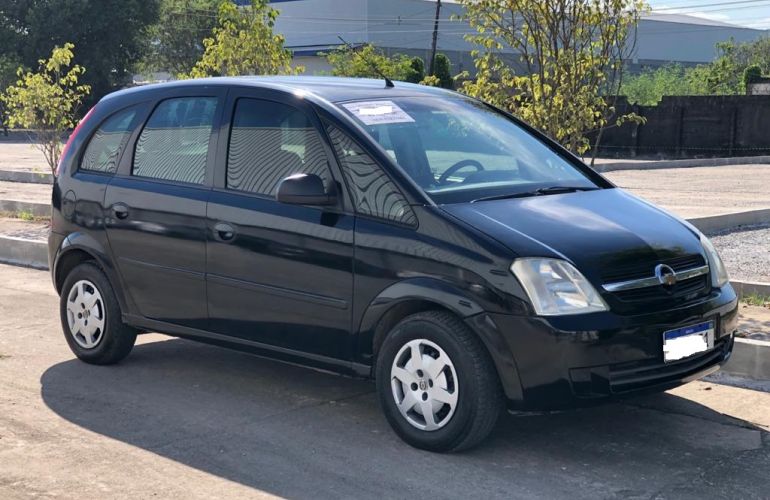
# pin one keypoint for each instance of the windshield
(459, 150)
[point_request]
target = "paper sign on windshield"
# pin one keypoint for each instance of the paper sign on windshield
(378, 112)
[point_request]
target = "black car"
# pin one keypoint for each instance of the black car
(410, 234)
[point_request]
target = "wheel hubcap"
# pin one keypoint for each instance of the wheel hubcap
(424, 384)
(85, 314)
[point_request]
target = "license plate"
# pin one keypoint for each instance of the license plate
(688, 340)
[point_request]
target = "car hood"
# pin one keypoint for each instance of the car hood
(598, 231)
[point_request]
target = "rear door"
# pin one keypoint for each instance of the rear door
(278, 274)
(156, 208)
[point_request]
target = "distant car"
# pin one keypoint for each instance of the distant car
(410, 234)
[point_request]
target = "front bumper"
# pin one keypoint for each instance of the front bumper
(569, 361)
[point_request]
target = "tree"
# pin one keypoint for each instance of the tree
(177, 38)
(9, 66)
(571, 53)
(649, 86)
(442, 71)
(723, 75)
(243, 43)
(417, 71)
(751, 74)
(110, 35)
(48, 101)
(366, 61)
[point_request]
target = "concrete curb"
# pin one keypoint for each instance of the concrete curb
(715, 223)
(36, 209)
(689, 163)
(24, 252)
(744, 288)
(750, 359)
(28, 177)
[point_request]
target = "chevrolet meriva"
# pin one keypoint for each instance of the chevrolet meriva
(410, 234)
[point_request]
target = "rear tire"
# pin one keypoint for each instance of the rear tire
(91, 317)
(432, 364)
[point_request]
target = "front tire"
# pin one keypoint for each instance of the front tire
(91, 317)
(436, 382)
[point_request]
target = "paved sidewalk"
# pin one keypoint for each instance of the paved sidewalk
(30, 230)
(16, 153)
(700, 191)
(23, 191)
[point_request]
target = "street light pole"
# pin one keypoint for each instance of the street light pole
(432, 63)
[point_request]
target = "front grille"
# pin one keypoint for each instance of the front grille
(682, 291)
(645, 268)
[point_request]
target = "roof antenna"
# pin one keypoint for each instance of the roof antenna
(388, 81)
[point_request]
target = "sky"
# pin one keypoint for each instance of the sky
(751, 13)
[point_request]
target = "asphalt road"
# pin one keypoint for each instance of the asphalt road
(184, 420)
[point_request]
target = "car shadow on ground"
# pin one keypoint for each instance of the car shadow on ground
(295, 432)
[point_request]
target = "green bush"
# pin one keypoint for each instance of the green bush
(417, 70)
(442, 70)
(751, 74)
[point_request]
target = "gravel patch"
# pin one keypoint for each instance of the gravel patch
(746, 252)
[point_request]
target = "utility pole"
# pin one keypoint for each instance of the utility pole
(432, 63)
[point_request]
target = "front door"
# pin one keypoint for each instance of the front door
(156, 210)
(277, 274)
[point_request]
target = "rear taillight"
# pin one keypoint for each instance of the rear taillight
(69, 141)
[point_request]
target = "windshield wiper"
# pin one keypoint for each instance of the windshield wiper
(538, 192)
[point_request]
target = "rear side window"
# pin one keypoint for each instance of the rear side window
(175, 142)
(270, 141)
(374, 192)
(108, 142)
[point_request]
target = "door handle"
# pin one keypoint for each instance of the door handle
(120, 210)
(224, 231)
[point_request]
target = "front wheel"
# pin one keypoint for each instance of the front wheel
(91, 319)
(436, 383)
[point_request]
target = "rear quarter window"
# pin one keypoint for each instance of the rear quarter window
(109, 141)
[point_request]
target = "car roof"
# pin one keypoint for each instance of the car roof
(328, 88)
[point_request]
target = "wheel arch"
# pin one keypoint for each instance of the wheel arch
(415, 295)
(78, 248)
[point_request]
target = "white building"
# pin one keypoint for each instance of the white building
(406, 26)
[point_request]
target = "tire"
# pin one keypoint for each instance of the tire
(468, 380)
(88, 296)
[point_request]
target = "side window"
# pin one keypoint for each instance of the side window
(373, 192)
(105, 146)
(268, 142)
(175, 142)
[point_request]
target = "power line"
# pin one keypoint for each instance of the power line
(698, 6)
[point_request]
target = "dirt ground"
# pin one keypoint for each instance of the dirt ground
(179, 419)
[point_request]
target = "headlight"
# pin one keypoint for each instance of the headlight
(719, 276)
(555, 287)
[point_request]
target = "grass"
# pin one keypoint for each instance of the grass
(25, 216)
(755, 299)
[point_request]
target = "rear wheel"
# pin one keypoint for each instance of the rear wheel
(91, 317)
(436, 383)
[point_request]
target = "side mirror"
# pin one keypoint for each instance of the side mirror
(304, 189)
